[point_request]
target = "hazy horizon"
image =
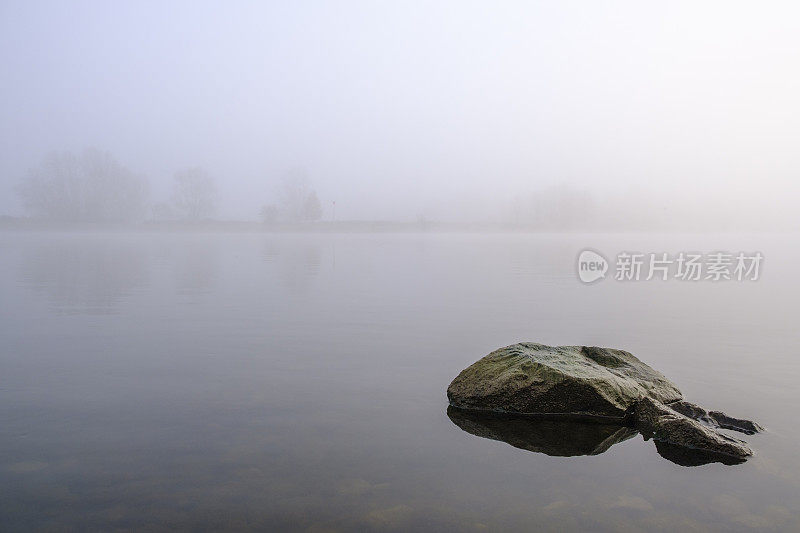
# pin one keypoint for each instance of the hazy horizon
(446, 112)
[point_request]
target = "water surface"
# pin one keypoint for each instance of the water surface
(253, 381)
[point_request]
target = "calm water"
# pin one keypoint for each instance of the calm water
(298, 382)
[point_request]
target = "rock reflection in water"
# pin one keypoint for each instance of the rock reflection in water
(562, 438)
(567, 438)
(683, 456)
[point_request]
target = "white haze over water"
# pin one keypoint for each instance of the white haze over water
(450, 111)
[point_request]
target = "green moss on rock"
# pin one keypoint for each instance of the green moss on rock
(533, 378)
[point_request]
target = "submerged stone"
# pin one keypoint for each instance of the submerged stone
(588, 383)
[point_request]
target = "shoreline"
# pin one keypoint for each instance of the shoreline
(13, 224)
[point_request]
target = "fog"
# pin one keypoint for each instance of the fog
(246, 246)
(549, 115)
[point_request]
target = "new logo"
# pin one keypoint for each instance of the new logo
(591, 266)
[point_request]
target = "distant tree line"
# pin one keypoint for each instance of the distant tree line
(94, 187)
(194, 197)
(297, 201)
(554, 208)
(90, 187)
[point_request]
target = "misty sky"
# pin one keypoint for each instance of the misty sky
(401, 109)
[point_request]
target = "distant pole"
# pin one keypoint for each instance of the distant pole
(334, 210)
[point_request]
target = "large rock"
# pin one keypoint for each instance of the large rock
(600, 384)
(563, 380)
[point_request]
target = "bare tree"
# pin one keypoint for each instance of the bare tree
(312, 209)
(163, 211)
(195, 194)
(91, 187)
(269, 214)
(299, 202)
(555, 208)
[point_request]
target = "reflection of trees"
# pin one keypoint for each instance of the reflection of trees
(196, 267)
(92, 274)
(84, 276)
(191, 261)
(296, 263)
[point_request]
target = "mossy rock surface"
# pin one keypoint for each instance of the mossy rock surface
(530, 378)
